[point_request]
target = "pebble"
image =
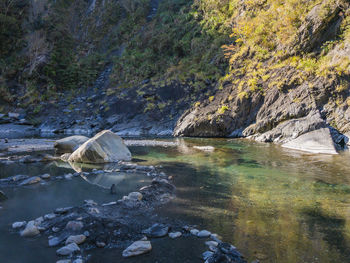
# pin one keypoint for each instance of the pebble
(78, 239)
(68, 250)
(194, 232)
(204, 233)
(45, 176)
(17, 225)
(156, 230)
(30, 230)
(137, 248)
(74, 225)
(211, 243)
(100, 244)
(49, 216)
(207, 254)
(174, 235)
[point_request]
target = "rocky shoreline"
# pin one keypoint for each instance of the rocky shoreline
(129, 224)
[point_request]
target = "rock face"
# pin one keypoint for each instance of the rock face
(104, 147)
(69, 144)
(137, 248)
(318, 141)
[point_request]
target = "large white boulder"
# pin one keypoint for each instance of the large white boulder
(70, 144)
(104, 147)
(317, 141)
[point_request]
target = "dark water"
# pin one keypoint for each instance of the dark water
(272, 204)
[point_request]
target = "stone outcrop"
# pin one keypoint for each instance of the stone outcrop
(104, 147)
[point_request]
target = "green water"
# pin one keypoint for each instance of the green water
(273, 204)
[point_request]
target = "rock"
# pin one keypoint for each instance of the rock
(68, 176)
(49, 216)
(55, 229)
(70, 144)
(45, 176)
(205, 148)
(100, 244)
(30, 230)
(157, 230)
(211, 243)
(63, 210)
(78, 260)
(207, 254)
(64, 261)
(13, 115)
(194, 232)
(104, 147)
(137, 248)
(78, 239)
(31, 180)
(64, 157)
(55, 241)
(204, 233)
(134, 196)
(38, 221)
(174, 235)
(68, 250)
(17, 225)
(74, 225)
(318, 141)
(3, 197)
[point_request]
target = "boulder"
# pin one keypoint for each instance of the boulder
(137, 248)
(104, 147)
(31, 230)
(318, 141)
(70, 144)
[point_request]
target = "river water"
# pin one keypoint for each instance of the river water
(273, 204)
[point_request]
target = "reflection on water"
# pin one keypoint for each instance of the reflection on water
(26, 203)
(273, 204)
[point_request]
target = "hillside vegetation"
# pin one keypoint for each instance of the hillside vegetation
(239, 47)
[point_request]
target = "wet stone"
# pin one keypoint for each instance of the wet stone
(194, 232)
(45, 176)
(78, 239)
(203, 233)
(174, 235)
(157, 230)
(30, 230)
(17, 225)
(137, 248)
(74, 225)
(31, 180)
(68, 250)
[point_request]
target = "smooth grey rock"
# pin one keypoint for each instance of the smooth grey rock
(137, 248)
(204, 233)
(17, 225)
(157, 230)
(31, 180)
(68, 250)
(211, 243)
(49, 216)
(70, 144)
(104, 147)
(45, 176)
(194, 232)
(30, 230)
(55, 241)
(78, 239)
(174, 235)
(318, 141)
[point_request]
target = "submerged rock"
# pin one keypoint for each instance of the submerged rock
(30, 230)
(157, 230)
(3, 197)
(174, 235)
(31, 180)
(137, 248)
(104, 147)
(69, 144)
(318, 141)
(68, 250)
